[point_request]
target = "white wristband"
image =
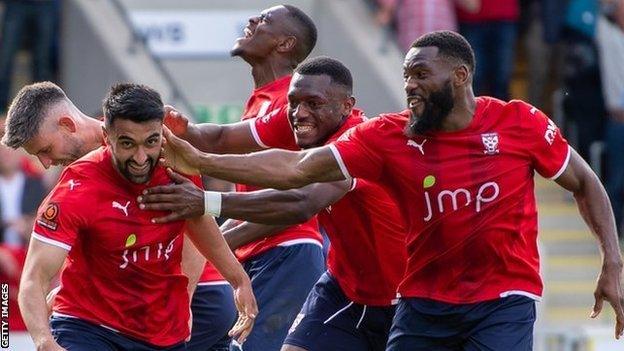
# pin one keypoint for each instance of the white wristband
(212, 203)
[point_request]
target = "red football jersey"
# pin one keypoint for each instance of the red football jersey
(122, 271)
(367, 253)
(265, 101)
(467, 197)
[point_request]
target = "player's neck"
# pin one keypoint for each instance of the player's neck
(462, 113)
(93, 133)
(269, 71)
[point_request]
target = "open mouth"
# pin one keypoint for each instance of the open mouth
(303, 128)
(247, 32)
(414, 101)
(139, 170)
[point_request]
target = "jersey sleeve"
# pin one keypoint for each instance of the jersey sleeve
(547, 149)
(63, 213)
(273, 130)
(358, 151)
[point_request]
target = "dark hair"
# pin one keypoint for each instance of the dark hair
(135, 102)
(308, 34)
(28, 110)
(450, 45)
(337, 71)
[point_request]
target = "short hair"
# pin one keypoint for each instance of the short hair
(335, 69)
(306, 26)
(28, 110)
(135, 102)
(450, 45)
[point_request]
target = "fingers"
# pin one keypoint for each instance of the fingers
(597, 305)
(241, 330)
(172, 217)
(177, 178)
(161, 189)
(616, 303)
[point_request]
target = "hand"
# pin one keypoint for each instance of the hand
(175, 121)
(49, 345)
(247, 312)
(179, 154)
(184, 199)
(610, 289)
(51, 297)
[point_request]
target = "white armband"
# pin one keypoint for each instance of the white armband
(212, 203)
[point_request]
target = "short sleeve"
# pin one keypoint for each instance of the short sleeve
(63, 212)
(274, 131)
(358, 151)
(547, 148)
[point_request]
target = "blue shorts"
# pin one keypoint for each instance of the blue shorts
(75, 334)
(502, 324)
(214, 314)
(281, 279)
(329, 321)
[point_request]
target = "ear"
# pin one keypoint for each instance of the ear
(287, 44)
(67, 123)
(106, 136)
(347, 105)
(461, 75)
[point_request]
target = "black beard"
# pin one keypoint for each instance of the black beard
(126, 172)
(437, 108)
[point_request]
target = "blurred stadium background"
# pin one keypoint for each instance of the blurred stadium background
(181, 48)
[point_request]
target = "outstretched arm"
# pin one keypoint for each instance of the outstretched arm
(282, 207)
(186, 200)
(232, 138)
(279, 169)
(594, 206)
(42, 263)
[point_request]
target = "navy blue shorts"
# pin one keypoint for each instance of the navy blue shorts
(502, 324)
(281, 279)
(329, 321)
(214, 314)
(75, 334)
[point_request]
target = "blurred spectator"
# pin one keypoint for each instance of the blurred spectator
(414, 18)
(37, 18)
(610, 40)
(20, 195)
(544, 23)
(11, 264)
(583, 101)
(492, 33)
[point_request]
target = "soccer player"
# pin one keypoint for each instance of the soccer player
(45, 122)
(285, 266)
(461, 169)
(122, 286)
(351, 306)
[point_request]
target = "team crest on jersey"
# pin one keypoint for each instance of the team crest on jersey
(490, 142)
(48, 217)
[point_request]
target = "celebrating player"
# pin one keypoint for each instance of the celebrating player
(461, 169)
(122, 285)
(284, 266)
(45, 122)
(351, 306)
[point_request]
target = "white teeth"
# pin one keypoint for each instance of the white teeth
(304, 129)
(247, 32)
